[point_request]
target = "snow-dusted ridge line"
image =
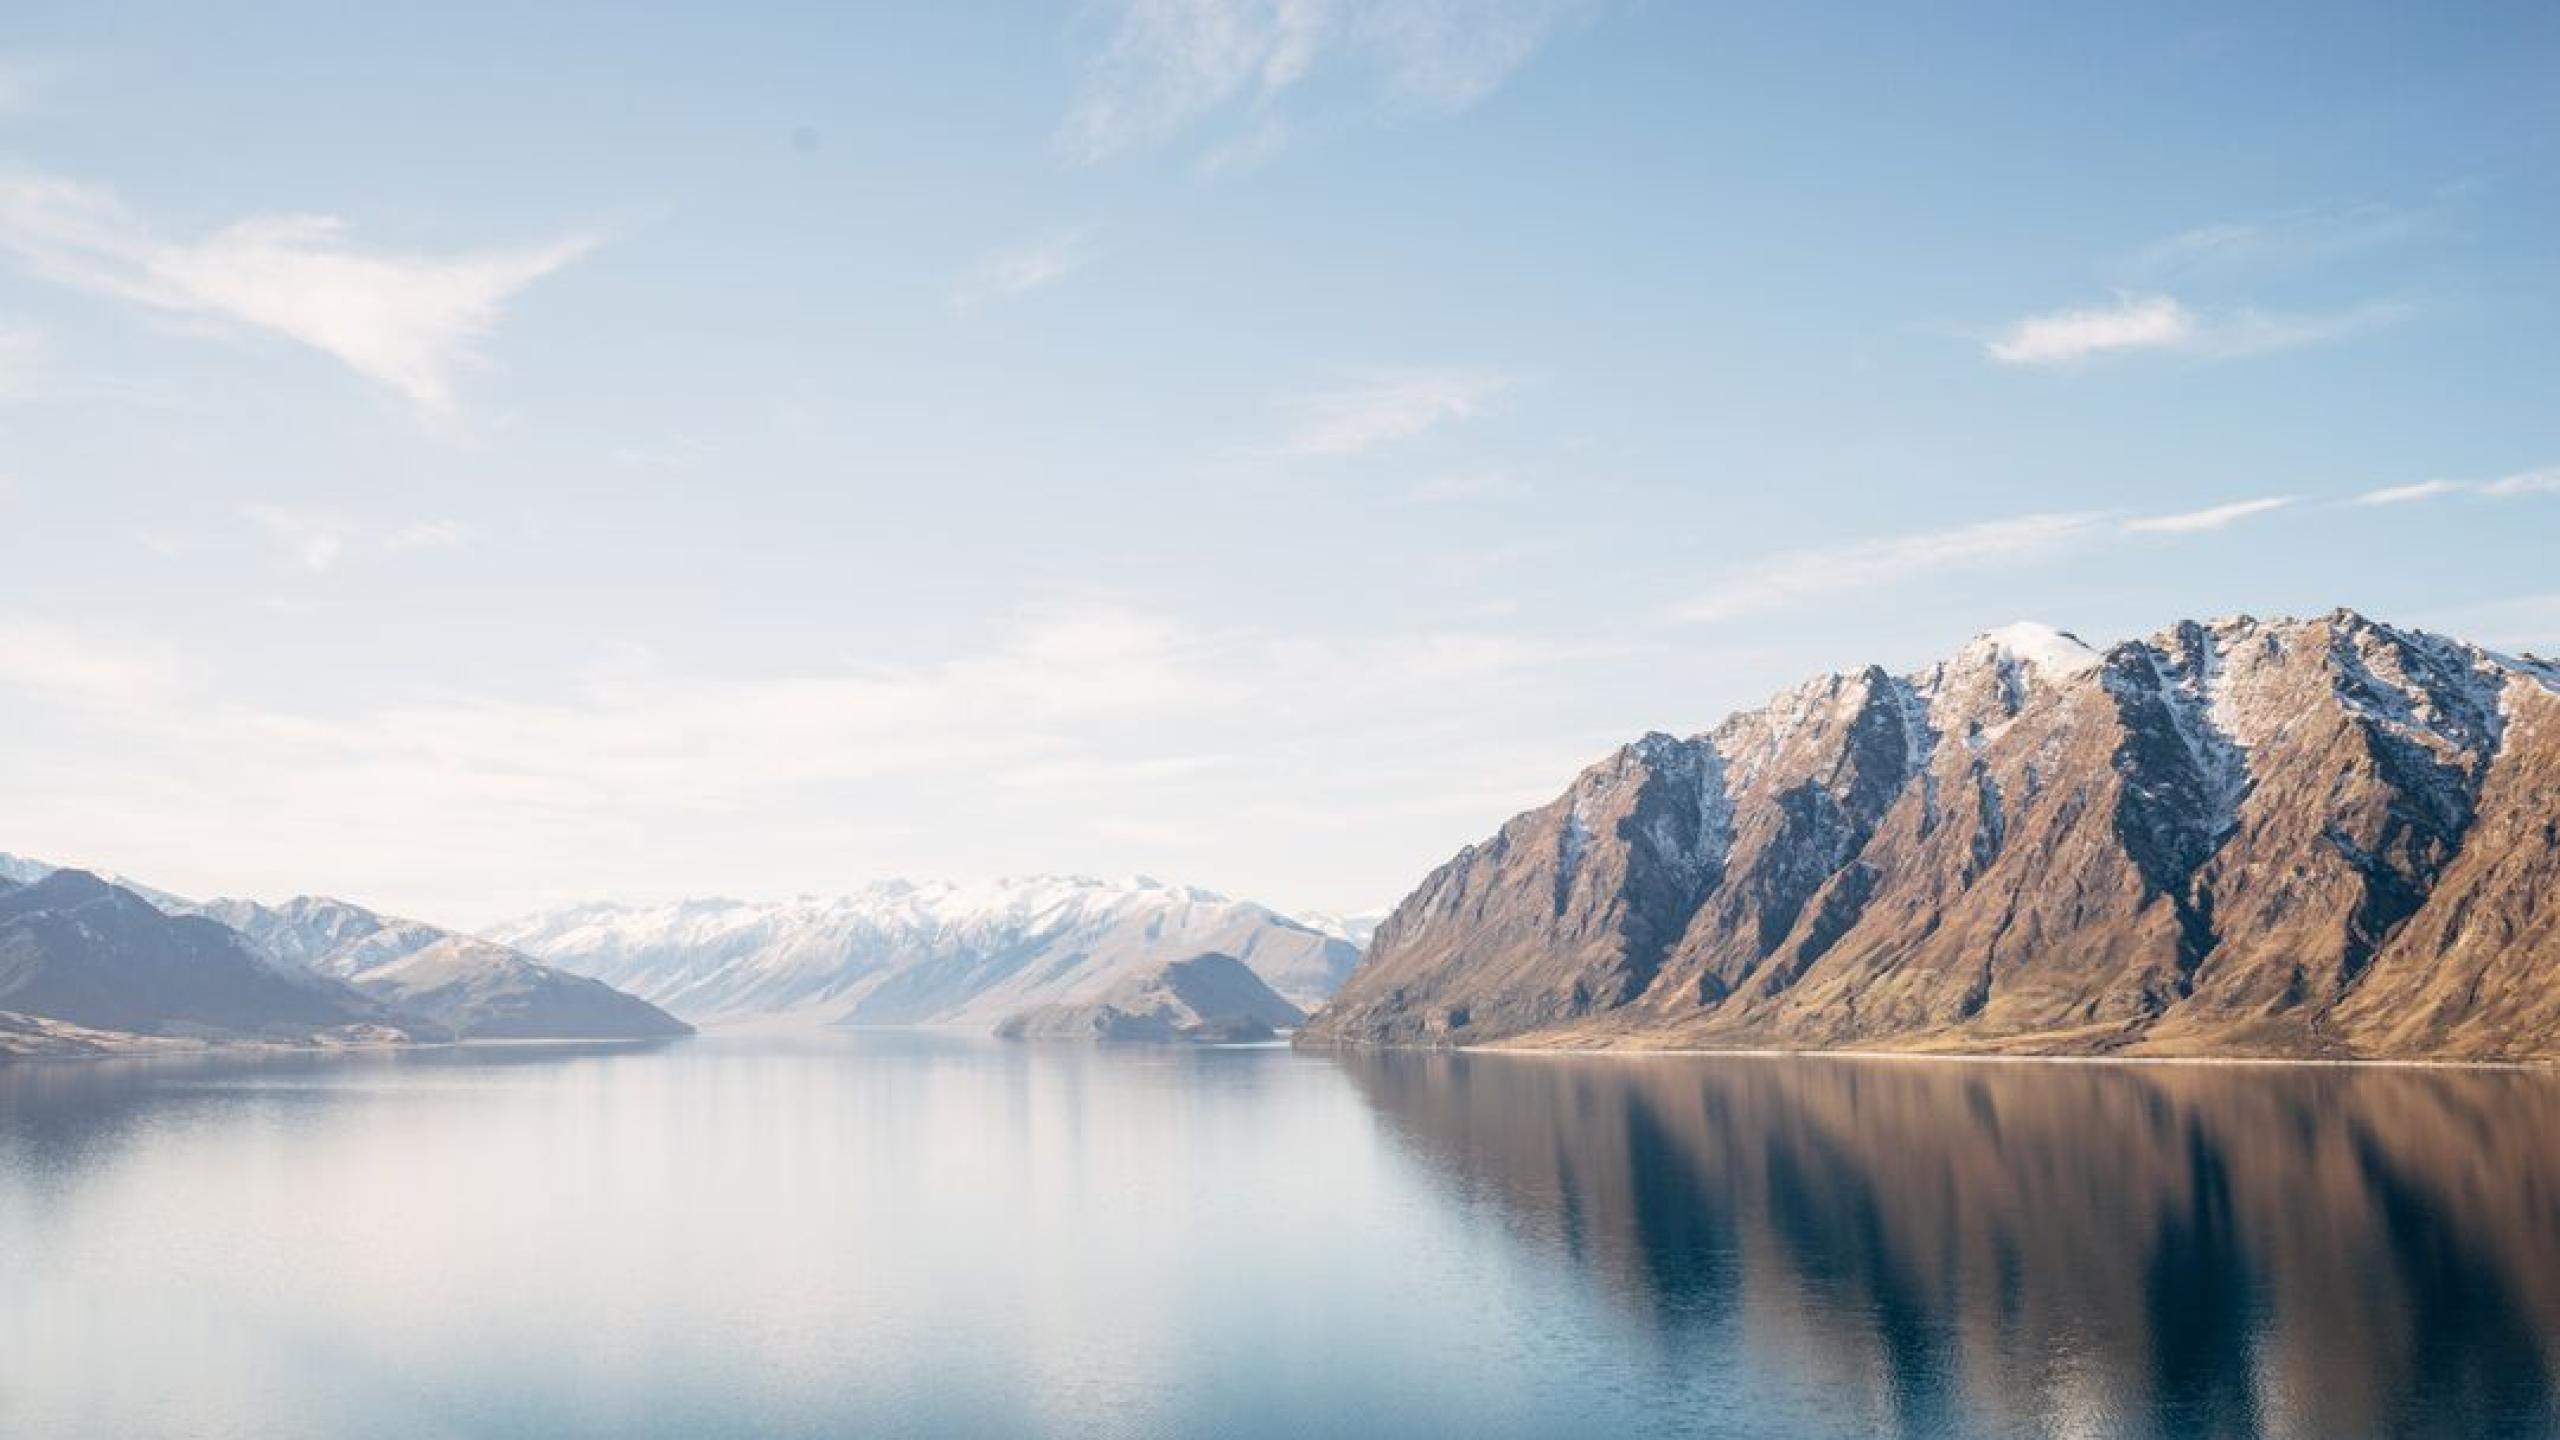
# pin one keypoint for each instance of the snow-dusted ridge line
(900, 952)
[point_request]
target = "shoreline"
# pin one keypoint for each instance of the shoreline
(161, 1047)
(1967, 1057)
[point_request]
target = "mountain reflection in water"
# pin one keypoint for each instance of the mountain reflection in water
(2042, 1248)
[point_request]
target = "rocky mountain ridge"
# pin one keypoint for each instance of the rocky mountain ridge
(86, 954)
(2325, 837)
(475, 988)
(94, 965)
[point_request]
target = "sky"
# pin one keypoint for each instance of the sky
(487, 457)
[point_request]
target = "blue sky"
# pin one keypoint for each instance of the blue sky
(517, 453)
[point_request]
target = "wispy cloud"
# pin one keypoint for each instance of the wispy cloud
(438, 796)
(1016, 271)
(24, 82)
(2212, 517)
(2545, 481)
(2286, 238)
(1454, 486)
(1386, 406)
(21, 363)
(1792, 577)
(2530, 482)
(1166, 64)
(1268, 136)
(2410, 494)
(86, 665)
(317, 541)
(427, 535)
(2238, 334)
(2529, 623)
(1063, 702)
(2060, 337)
(2163, 323)
(408, 322)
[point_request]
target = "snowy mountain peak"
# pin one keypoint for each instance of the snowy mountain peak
(2036, 646)
(27, 871)
(923, 952)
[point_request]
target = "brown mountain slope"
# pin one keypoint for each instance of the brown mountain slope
(2318, 837)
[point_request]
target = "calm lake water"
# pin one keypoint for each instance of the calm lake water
(887, 1234)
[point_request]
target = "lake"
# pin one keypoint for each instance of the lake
(884, 1233)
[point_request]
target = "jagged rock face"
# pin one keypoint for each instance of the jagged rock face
(1569, 911)
(2322, 837)
(329, 936)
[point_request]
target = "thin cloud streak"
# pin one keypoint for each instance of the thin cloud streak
(2161, 323)
(81, 665)
(24, 83)
(1795, 577)
(1820, 572)
(317, 542)
(2545, 481)
(1013, 273)
(2061, 337)
(2216, 517)
(407, 322)
(2409, 494)
(22, 354)
(2288, 238)
(2528, 623)
(1385, 407)
(2532, 482)
(1169, 64)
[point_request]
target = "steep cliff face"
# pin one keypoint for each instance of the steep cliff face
(2318, 837)
(1567, 913)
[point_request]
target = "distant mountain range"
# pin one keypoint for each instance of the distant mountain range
(900, 953)
(2325, 837)
(1051, 955)
(479, 990)
(93, 966)
(79, 950)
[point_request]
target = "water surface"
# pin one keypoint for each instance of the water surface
(896, 1234)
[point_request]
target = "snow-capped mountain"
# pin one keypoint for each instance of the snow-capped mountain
(85, 952)
(2321, 837)
(902, 953)
(428, 982)
(1353, 930)
(476, 989)
(24, 871)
